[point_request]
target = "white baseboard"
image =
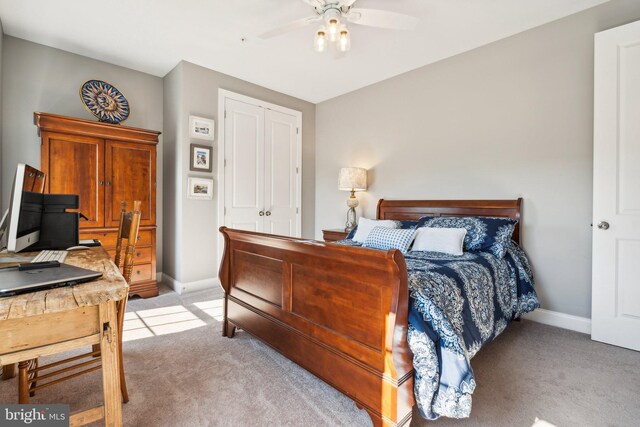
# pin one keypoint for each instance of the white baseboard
(560, 320)
(181, 287)
(158, 276)
(168, 280)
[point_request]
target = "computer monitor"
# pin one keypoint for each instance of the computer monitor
(25, 209)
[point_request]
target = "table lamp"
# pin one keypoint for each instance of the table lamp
(352, 179)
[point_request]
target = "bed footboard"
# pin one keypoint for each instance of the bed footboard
(339, 312)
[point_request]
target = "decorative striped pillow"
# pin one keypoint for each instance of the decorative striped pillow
(390, 238)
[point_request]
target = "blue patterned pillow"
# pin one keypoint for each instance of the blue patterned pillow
(405, 224)
(483, 233)
(390, 238)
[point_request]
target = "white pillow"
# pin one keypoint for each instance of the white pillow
(366, 225)
(445, 240)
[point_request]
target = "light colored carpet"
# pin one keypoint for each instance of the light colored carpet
(180, 371)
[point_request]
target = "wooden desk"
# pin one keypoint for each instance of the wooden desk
(49, 322)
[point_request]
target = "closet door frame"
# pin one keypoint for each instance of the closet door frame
(223, 95)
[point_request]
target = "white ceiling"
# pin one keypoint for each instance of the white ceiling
(154, 35)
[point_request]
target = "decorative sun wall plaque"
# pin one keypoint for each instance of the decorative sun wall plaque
(104, 101)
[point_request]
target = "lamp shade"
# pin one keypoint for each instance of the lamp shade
(352, 179)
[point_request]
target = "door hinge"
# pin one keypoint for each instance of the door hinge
(225, 163)
(225, 210)
(297, 170)
(225, 114)
(297, 210)
(297, 131)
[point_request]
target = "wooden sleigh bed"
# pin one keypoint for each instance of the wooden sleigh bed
(340, 312)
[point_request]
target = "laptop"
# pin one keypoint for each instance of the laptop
(14, 281)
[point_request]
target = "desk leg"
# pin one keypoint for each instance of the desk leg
(109, 343)
(8, 371)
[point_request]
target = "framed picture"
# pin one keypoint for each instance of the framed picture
(200, 188)
(200, 158)
(201, 128)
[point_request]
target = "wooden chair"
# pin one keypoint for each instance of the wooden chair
(30, 373)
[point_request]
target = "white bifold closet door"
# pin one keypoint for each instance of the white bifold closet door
(261, 169)
(615, 316)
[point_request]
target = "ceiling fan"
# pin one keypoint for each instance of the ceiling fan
(335, 14)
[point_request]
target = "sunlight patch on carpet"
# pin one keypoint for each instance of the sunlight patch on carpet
(159, 321)
(213, 308)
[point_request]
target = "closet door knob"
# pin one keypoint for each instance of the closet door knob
(268, 213)
(261, 213)
(604, 225)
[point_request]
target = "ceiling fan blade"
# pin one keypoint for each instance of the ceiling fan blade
(290, 27)
(382, 19)
(315, 3)
(347, 4)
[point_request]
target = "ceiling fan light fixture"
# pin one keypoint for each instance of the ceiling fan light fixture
(320, 40)
(334, 15)
(332, 19)
(344, 42)
(333, 25)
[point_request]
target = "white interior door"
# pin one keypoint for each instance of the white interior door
(281, 170)
(616, 198)
(261, 157)
(244, 166)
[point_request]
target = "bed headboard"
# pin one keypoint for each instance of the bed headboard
(415, 209)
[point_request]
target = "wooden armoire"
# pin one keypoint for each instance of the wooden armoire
(105, 164)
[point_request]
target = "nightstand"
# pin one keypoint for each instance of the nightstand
(334, 234)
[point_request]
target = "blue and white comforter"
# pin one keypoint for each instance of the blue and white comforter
(458, 304)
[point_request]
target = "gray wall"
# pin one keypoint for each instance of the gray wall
(193, 90)
(513, 118)
(40, 78)
(1, 48)
(172, 179)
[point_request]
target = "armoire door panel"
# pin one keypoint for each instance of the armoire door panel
(75, 165)
(130, 175)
